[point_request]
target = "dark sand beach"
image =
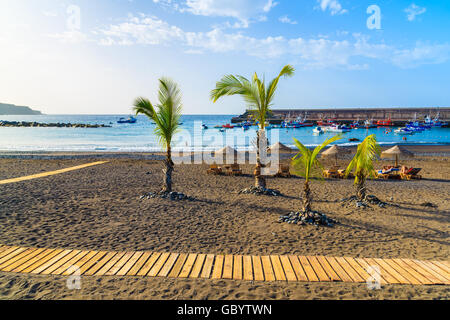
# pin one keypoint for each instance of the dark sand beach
(99, 208)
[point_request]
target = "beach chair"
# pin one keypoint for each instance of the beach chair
(331, 173)
(283, 171)
(388, 173)
(342, 174)
(214, 169)
(234, 170)
(410, 173)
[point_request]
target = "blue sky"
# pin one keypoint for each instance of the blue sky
(95, 57)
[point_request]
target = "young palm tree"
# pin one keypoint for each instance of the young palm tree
(259, 98)
(167, 118)
(307, 165)
(362, 163)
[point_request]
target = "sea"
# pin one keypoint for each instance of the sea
(140, 137)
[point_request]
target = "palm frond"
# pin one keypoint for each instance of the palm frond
(168, 111)
(362, 162)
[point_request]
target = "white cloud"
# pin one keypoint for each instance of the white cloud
(286, 19)
(334, 6)
(413, 11)
(245, 11)
(311, 53)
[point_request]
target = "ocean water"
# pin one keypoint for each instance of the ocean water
(140, 137)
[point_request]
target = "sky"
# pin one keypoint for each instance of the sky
(96, 57)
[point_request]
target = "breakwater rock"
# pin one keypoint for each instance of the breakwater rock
(50, 125)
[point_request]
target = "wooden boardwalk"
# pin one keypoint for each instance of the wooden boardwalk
(65, 262)
(51, 173)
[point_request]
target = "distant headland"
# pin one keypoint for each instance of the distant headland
(11, 109)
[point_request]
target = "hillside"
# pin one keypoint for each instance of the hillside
(11, 109)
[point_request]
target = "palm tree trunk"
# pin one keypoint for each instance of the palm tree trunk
(307, 197)
(361, 188)
(169, 168)
(260, 180)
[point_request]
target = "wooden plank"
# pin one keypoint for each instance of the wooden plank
(338, 269)
(386, 274)
(397, 275)
(100, 264)
(70, 263)
(139, 264)
(349, 270)
(267, 268)
(188, 266)
(228, 267)
(103, 270)
(412, 271)
(357, 267)
(320, 272)
(442, 265)
(54, 256)
(134, 258)
(237, 268)
(308, 269)
(150, 264)
(158, 264)
(437, 272)
(277, 268)
(288, 270)
(425, 272)
(437, 269)
(207, 267)
(56, 264)
(248, 268)
(76, 267)
(366, 267)
(92, 262)
(218, 267)
(50, 173)
(13, 252)
(7, 250)
(178, 266)
(197, 268)
(50, 262)
(328, 269)
(19, 259)
(258, 271)
(164, 272)
(119, 264)
(298, 269)
(33, 261)
(402, 271)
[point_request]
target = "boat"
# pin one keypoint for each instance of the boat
(385, 123)
(368, 124)
(204, 127)
(337, 128)
(318, 130)
(228, 126)
(403, 131)
(326, 123)
(129, 120)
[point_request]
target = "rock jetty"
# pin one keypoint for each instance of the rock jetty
(48, 125)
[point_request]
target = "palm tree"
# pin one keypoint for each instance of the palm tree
(167, 118)
(306, 165)
(259, 98)
(362, 163)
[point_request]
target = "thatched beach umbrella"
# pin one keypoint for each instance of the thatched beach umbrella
(335, 151)
(228, 152)
(397, 151)
(280, 148)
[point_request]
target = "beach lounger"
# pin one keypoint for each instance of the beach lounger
(410, 173)
(391, 173)
(331, 173)
(234, 170)
(284, 171)
(342, 174)
(214, 169)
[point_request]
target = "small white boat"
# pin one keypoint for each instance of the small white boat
(403, 131)
(337, 128)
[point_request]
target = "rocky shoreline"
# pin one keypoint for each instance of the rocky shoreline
(25, 124)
